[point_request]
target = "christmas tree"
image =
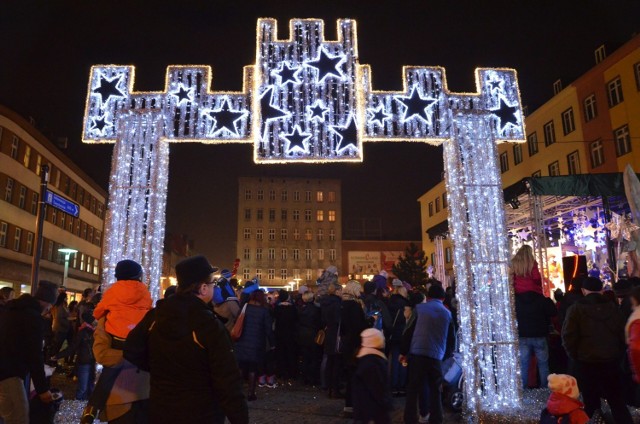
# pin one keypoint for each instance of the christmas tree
(411, 267)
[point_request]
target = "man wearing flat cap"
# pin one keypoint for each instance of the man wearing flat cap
(194, 373)
(21, 337)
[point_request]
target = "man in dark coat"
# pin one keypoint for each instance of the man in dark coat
(21, 352)
(330, 314)
(593, 336)
(194, 374)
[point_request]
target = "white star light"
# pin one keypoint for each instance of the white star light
(183, 94)
(312, 114)
(416, 106)
(378, 115)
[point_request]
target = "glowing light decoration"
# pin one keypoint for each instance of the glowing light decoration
(307, 99)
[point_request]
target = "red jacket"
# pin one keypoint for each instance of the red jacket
(524, 283)
(633, 340)
(124, 305)
(559, 404)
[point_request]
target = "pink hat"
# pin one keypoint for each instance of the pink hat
(564, 384)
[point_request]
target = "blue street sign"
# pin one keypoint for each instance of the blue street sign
(61, 203)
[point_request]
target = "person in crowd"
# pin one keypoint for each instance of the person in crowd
(352, 322)
(397, 304)
(451, 303)
(380, 280)
(573, 294)
(61, 325)
(593, 336)
(229, 307)
(285, 318)
(632, 335)
(376, 309)
(622, 290)
(563, 404)
(372, 401)
(329, 276)
(22, 324)
(249, 287)
(85, 304)
(73, 316)
(82, 346)
(256, 339)
(193, 370)
(431, 341)
(533, 314)
(524, 272)
(309, 323)
(330, 317)
(6, 294)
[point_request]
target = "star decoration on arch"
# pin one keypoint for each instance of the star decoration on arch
(268, 111)
(99, 124)
(327, 66)
(494, 84)
(286, 74)
(297, 141)
(348, 136)
(225, 118)
(108, 88)
(317, 111)
(416, 106)
(378, 115)
(183, 94)
(507, 115)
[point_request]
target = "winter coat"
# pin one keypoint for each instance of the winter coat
(632, 334)
(397, 303)
(61, 323)
(371, 391)
(309, 322)
(285, 318)
(82, 345)
(131, 385)
(257, 335)
(559, 405)
(352, 323)
(194, 372)
(567, 301)
(373, 304)
(229, 309)
(533, 313)
(21, 338)
(330, 314)
(524, 283)
(593, 330)
(433, 335)
(124, 305)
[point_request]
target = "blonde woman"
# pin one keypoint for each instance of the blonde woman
(524, 271)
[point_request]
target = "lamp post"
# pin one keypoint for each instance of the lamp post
(67, 254)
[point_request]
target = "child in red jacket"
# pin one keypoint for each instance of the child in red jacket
(563, 401)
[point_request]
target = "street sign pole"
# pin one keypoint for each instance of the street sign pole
(42, 210)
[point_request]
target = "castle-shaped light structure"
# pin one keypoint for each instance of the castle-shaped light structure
(307, 99)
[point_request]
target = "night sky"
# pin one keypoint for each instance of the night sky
(48, 47)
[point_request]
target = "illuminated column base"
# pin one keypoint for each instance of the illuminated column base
(134, 225)
(489, 342)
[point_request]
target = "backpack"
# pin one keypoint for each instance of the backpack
(547, 418)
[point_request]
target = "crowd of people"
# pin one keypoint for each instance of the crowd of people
(204, 348)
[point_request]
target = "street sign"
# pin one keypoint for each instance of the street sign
(59, 202)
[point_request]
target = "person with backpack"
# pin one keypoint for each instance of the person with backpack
(376, 310)
(563, 406)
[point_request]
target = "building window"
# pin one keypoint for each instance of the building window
(636, 72)
(54, 216)
(296, 196)
(246, 274)
(296, 273)
(259, 214)
(296, 234)
(98, 238)
(623, 140)
(247, 195)
(307, 196)
(537, 174)
(81, 196)
(332, 216)
(549, 133)
(447, 255)
(332, 254)
(557, 87)
(332, 234)
(284, 195)
(444, 200)
(259, 254)
(319, 215)
(307, 254)
(96, 267)
(320, 234)
(283, 254)
(614, 92)
(590, 108)
(309, 274)
(272, 215)
(517, 153)
(29, 246)
(271, 273)
(34, 203)
(23, 197)
(8, 191)
(307, 215)
(320, 254)
(272, 233)
(319, 196)
(15, 143)
(70, 224)
(16, 239)
(272, 195)
(283, 214)
(430, 208)
(260, 194)
(247, 214)
(259, 273)
(247, 233)
(437, 204)
(532, 143)
(296, 254)
(272, 253)
(84, 230)
(99, 210)
(26, 159)
(283, 273)
(246, 254)
(600, 54)
(573, 162)
(331, 197)
(296, 215)
(597, 153)
(63, 217)
(308, 234)
(568, 123)
(283, 234)
(3, 234)
(259, 234)
(504, 163)
(50, 253)
(554, 169)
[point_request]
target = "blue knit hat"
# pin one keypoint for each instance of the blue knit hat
(250, 288)
(225, 273)
(128, 270)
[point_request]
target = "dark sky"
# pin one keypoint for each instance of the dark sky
(47, 48)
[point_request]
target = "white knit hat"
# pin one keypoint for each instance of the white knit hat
(372, 342)
(564, 384)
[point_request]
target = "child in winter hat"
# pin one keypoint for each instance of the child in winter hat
(563, 401)
(371, 391)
